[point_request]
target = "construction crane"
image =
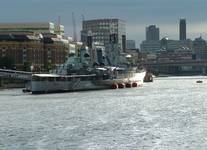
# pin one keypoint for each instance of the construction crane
(74, 28)
(83, 18)
(59, 20)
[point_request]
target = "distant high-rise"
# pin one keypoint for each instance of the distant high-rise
(152, 33)
(102, 29)
(182, 29)
(200, 48)
(130, 44)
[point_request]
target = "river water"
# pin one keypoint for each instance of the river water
(168, 114)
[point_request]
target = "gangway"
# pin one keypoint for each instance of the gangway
(14, 74)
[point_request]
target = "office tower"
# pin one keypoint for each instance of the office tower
(182, 29)
(102, 29)
(200, 48)
(124, 43)
(130, 44)
(152, 43)
(152, 33)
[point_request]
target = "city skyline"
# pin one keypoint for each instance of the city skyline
(138, 15)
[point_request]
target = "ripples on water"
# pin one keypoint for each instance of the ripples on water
(169, 113)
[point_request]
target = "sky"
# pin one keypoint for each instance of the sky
(137, 13)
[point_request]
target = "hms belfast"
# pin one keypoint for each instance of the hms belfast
(81, 72)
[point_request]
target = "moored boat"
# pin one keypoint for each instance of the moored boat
(52, 83)
(91, 68)
(199, 81)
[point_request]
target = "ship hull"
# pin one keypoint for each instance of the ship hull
(40, 87)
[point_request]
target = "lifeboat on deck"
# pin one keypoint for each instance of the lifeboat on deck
(121, 85)
(128, 85)
(134, 84)
(114, 86)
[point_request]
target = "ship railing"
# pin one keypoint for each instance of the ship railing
(14, 74)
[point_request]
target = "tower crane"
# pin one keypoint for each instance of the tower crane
(74, 28)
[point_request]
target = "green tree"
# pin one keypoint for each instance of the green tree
(48, 66)
(27, 66)
(7, 63)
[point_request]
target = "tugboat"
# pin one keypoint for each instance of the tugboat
(199, 81)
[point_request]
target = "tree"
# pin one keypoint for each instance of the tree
(7, 63)
(48, 65)
(27, 66)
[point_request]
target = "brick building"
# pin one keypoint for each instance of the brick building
(41, 52)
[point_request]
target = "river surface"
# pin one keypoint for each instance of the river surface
(168, 114)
